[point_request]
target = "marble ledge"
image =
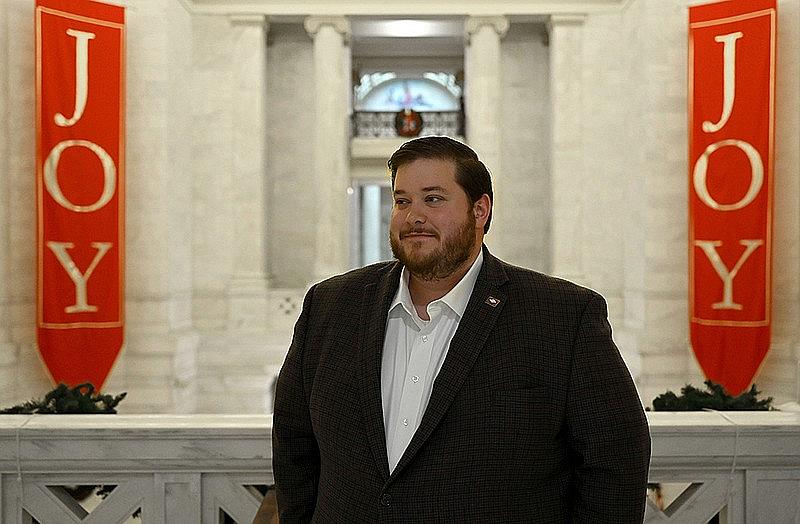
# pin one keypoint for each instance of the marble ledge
(135, 443)
(718, 421)
(692, 421)
(179, 443)
(660, 422)
(177, 425)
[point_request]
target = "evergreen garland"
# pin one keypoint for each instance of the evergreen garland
(694, 399)
(66, 400)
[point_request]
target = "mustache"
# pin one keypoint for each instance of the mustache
(417, 231)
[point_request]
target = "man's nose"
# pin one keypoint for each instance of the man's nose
(416, 215)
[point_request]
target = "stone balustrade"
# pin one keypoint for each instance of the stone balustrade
(745, 465)
(213, 468)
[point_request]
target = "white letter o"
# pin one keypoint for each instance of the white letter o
(109, 175)
(756, 175)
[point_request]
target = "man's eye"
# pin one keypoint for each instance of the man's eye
(433, 198)
(400, 202)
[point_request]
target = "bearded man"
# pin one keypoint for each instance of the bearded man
(449, 386)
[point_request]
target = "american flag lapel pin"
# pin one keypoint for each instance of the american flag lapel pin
(492, 301)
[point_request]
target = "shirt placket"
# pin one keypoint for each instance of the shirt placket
(413, 387)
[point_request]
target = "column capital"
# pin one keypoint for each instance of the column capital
(340, 24)
(564, 20)
(498, 23)
(251, 20)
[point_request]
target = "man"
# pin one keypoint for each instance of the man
(449, 386)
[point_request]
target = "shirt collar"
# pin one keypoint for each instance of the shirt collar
(456, 299)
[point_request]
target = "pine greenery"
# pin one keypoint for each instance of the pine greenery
(65, 400)
(715, 397)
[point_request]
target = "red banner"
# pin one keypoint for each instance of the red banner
(80, 149)
(731, 137)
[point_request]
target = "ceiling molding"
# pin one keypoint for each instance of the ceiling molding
(405, 8)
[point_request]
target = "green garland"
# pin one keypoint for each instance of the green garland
(66, 400)
(694, 399)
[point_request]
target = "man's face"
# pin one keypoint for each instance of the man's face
(433, 229)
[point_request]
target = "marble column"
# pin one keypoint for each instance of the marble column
(159, 361)
(330, 142)
(8, 350)
(482, 99)
(22, 373)
(247, 288)
(566, 52)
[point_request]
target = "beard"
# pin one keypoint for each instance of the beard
(442, 261)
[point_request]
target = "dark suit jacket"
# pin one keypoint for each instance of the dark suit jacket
(532, 418)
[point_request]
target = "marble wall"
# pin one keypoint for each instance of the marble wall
(222, 204)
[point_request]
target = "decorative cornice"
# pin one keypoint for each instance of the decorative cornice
(571, 19)
(340, 24)
(259, 20)
(406, 8)
(498, 23)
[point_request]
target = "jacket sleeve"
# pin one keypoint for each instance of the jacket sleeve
(607, 428)
(295, 455)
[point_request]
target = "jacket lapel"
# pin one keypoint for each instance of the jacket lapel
(374, 310)
(483, 309)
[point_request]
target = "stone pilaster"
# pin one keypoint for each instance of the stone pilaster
(160, 357)
(330, 142)
(566, 53)
(8, 350)
(248, 286)
(26, 375)
(482, 105)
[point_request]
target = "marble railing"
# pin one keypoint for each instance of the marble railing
(213, 468)
(381, 124)
(175, 469)
(744, 465)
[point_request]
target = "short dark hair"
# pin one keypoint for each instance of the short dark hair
(471, 173)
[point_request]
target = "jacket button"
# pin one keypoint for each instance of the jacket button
(386, 499)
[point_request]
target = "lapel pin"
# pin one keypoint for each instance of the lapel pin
(492, 301)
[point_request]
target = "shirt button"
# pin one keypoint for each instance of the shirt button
(405, 422)
(386, 500)
(424, 338)
(415, 379)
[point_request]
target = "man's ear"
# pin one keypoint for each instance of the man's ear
(482, 208)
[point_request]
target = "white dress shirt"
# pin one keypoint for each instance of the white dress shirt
(413, 353)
